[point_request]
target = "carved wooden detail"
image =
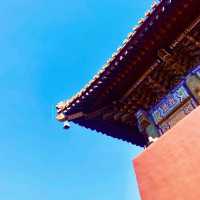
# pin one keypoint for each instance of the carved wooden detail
(170, 67)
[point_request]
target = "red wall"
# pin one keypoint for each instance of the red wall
(169, 169)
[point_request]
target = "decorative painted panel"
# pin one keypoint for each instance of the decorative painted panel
(184, 110)
(169, 103)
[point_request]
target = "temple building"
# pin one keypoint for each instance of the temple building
(150, 83)
(148, 94)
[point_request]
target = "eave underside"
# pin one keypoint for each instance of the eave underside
(153, 67)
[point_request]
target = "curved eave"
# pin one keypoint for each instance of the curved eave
(155, 20)
(167, 21)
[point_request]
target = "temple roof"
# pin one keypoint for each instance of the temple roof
(108, 102)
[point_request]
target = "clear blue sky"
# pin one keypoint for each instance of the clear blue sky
(48, 51)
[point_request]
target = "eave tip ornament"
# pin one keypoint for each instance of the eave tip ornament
(60, 107)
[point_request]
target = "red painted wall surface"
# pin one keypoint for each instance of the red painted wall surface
(169, 169)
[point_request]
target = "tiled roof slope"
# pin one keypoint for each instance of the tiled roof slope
(156, 17)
